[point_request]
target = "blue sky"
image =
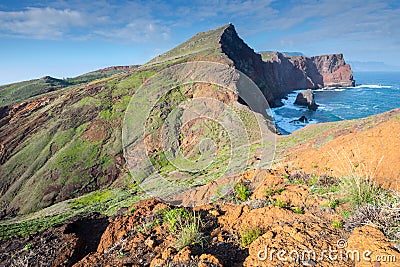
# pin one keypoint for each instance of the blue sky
(65, 38)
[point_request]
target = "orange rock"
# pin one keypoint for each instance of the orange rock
(183, 255)
(207, 260)
(373, 247)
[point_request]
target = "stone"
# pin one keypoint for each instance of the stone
(306, 98)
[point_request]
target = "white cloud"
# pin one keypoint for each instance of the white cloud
(137, 31)
(40, 23)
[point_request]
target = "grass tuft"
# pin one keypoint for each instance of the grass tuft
(190, 233)
(298, 210)
(249, 235)
(173, 216)
(359, 191)
(242, 191)
(274, 191)
(281, 204)
(337, 224)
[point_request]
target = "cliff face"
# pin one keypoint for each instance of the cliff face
(250, 63)
(334, 70)
(300, 72)
(276, 74)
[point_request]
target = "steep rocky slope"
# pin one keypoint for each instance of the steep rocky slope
(63, 144)
(67, 143)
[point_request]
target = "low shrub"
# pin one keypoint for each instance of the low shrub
(242, 191)
(249, 235)
(359, 191)
(190, 233)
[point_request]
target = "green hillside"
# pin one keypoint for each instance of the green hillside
(21, 91)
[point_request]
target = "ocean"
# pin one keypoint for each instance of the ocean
(374, 93)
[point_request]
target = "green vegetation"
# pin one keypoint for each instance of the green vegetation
(345, 214)
(280, 203)
(27, 247)
(144, 228)
(274, 191)
(242, 191)
(161, 163)
(249, 235)
(298, 210)
(333, 203)
(184, 226)
(106, 202)
(359, 191)
(18, 92)
(337, 224)
(92, 198)
(21, 91)
(189, 233)
(95, 75)
(204, 42)
(174, 216)
(323, 190)
(31, 226)
(67, 154)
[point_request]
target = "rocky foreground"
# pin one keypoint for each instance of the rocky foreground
(282, 214)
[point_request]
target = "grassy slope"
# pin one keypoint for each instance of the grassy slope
(59, 160)
(202, 43)
(17, 92)
(21, 91)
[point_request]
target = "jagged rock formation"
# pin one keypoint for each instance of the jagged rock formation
(302, 119)
(306, 98)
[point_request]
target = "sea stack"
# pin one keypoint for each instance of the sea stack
(306, 98)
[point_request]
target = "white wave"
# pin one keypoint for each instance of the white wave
(331, 89)
(375, 86)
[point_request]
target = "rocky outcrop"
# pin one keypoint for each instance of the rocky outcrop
(334, 70)
(278, 74)
(302, 119)
(306, 98)
(250, 63)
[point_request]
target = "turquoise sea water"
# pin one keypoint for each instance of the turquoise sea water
(374, 93)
